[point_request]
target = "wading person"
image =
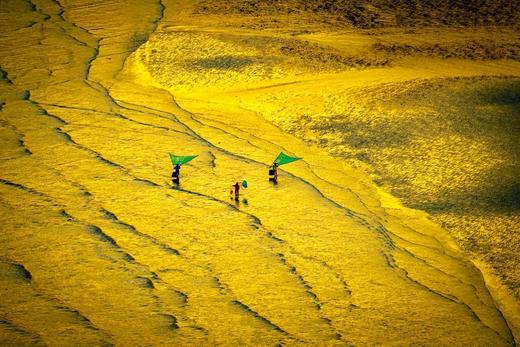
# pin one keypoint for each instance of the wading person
(273, 173)
(177, 161)
(176, 174)
(281, 159)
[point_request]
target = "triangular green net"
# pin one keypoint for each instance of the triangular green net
(181, 159)
(283, 158)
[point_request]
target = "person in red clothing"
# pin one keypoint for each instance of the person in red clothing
(236, 189)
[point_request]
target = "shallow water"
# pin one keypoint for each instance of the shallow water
(446, 146)
(99, 248)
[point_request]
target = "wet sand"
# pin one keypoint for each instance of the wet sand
(98, 247)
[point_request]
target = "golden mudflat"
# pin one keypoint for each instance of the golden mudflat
(398, 227)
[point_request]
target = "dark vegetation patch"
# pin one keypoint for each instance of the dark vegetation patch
(477, 171)
(223, 62)
(367, 14)
(475, 50)
(314, 53)
(506, 94)
(357, 133)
